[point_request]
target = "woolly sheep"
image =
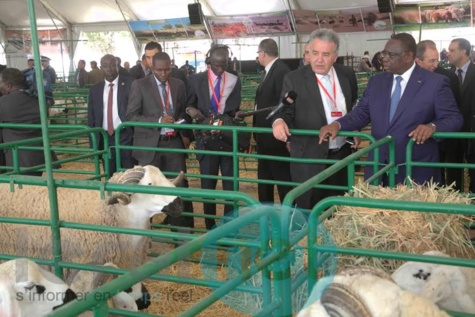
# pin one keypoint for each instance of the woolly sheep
(365, 292)
(33, 290)
(83, 206)
(450, 287)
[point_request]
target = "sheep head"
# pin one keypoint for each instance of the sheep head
(149, 176)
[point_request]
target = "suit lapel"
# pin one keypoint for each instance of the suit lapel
(469, 77)
(174, 94)
(120, 99)
(345, 88)
(100, 96)
(268, 75)
(413, 85)
(314, 91)
(204, 87)
(155, 93)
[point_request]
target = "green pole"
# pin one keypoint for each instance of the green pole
(46, 146)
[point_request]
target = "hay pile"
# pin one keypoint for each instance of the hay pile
(400, 231)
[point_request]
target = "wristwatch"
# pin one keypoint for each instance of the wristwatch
(433, 124)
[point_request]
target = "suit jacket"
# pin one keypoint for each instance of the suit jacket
(308, 111)
(268, 95)
(19, 107)
(454, 82)
(95, 109)
(199, 95)
(137, 72)
(145, 105)
(467, 99)
(81, 77)
(427, 98)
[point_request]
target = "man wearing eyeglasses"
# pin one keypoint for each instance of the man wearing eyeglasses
(404, 102)
(450, 151)
(325, 91)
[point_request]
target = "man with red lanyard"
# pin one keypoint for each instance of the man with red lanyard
(161, 99)
(325, 92)
(215, 92)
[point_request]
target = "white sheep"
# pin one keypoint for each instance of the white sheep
(450, 287)
(33, 290)
(9, 306)
(365, 292)
(85, 206)
(132, 299)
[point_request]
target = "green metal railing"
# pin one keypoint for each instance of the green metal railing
(410, 163)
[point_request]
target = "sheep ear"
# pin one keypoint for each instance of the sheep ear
(177, 181)
(340, 301)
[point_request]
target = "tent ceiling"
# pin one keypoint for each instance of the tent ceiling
(14, 13)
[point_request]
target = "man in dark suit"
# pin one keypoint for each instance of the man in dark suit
(16, 106)
(140, 70)
(161, 99)
(458, 55)
(404, 102)
(107, 108)
(81, 74)
(325, 92)
(122, 70)
(268, 95)
(450, 151)
(215, 92)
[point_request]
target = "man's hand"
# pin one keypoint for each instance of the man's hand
(330, 130)
(194, 113)
(238, 114)
(280, 130)
(186, 142)
(422, 133)
(167, 119)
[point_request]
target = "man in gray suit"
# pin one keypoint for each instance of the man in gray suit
(160, 99)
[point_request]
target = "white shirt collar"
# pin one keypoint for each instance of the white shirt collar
(407, 74)
(268, 66)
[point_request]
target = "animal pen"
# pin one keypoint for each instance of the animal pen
(254, 261)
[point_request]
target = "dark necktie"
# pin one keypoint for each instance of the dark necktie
(163, 87)
(110, 102)
(217, 93)
(263, 75)
(459, 75)
(395, 98)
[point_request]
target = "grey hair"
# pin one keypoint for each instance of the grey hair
(326, 35)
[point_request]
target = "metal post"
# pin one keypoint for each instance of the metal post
(53, 199)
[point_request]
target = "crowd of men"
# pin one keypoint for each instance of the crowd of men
(411, 99)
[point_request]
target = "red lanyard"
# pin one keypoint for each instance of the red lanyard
(166, 103)
(333, 100)
(221, 89)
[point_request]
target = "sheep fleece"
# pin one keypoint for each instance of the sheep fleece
(75, 205)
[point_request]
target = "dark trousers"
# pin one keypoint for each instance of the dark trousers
(173, 162)
(126, 159)
(272, 170)
(210, 165)
(451, 151)
(303, 172)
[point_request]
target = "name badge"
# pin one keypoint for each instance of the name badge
(336, 114)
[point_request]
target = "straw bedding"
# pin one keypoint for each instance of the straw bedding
(401, 231)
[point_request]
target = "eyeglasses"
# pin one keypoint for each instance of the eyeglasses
(391, 55)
